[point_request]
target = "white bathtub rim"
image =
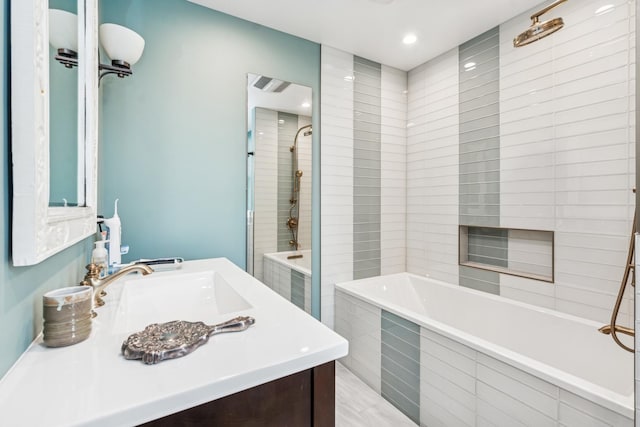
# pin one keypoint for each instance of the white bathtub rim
(621, 404)
(292, 266)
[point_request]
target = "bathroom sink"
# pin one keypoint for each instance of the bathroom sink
(199, 296)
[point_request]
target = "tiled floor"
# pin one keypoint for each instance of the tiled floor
(358, 405)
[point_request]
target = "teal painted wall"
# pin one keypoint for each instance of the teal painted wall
(172, 147)
(21, 288)
(173, 135)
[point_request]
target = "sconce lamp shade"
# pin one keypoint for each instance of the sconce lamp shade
(63, 30)
(121, 43)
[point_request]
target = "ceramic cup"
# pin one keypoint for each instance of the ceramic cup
(67, 315)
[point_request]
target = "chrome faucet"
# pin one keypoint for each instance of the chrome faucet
(92, 278)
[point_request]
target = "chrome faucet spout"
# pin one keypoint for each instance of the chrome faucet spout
(92, 278)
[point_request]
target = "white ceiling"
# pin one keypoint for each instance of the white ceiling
(374, 29)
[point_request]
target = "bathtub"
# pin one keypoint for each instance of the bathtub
(289, 277)
(448, 355)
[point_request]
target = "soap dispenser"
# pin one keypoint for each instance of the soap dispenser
(100, 257)
(114, 235)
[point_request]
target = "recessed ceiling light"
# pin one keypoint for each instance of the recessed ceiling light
(604, 9)
(470, 66)
(305, 105)
(348, 78)
(281, 121)
(410, 39)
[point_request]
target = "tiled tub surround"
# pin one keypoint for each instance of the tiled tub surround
(481, 359)
(291, 278)
(557, 153)
(565, 163)
(363, 175)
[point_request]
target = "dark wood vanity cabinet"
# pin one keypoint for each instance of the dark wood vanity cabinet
(303, 399)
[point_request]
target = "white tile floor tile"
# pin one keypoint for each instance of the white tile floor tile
(357, 405)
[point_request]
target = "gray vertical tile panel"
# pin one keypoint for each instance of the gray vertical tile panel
(479, 154)
(297, 288)
(488, 246)
(366, 167)
(286, 133)
(479, 117)
(480, 280)
(400, 363)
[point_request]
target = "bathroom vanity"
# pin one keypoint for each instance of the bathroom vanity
(280, 371)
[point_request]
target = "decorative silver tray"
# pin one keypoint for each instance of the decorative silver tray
(170, 340)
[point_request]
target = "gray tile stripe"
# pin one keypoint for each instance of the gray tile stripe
(366, 168)
(297, 288)
(481, 280)
(286, 134)
(400, 364)
(486, 40)
(479, 158)
(488, 246)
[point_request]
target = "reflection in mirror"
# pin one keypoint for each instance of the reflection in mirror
(38, 229)
(279, 186)
(63, 105)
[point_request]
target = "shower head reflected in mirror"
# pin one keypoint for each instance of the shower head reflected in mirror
(539, 30)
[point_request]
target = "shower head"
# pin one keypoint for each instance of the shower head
(539, 30)
(309, 132)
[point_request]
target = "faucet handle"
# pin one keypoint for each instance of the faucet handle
(93, 270)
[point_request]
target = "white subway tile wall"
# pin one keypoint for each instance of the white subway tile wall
(277, 276)
(433, 169)
(265, 220)
(393, 178)
(567, 142)
(360, 323)
(566, 157)
(336, 175)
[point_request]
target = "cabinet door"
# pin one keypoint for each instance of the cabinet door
(306, 398)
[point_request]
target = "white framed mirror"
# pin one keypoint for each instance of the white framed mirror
(38, 229)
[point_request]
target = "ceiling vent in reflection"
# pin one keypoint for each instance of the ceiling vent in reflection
(268, 84)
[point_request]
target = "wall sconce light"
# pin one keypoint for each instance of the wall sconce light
(123, 46)
(63, 36)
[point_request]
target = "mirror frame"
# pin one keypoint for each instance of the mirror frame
(40, 231)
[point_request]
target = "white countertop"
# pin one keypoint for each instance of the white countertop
(90, 383)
